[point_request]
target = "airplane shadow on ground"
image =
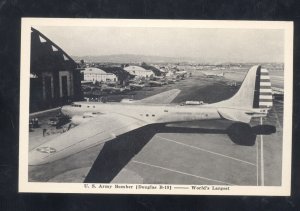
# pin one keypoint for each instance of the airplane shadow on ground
(116, 153)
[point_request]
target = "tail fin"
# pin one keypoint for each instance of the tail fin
(263, 90)
(255, 91)
(254, 95)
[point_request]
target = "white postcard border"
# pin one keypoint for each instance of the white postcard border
(25, 186)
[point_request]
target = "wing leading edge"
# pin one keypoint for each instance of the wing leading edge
(98, 130)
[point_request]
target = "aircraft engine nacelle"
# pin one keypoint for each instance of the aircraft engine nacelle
(77, 120)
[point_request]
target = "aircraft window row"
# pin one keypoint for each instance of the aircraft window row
(75, 105)
(147, 115)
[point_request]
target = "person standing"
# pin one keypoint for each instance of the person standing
(44, 132)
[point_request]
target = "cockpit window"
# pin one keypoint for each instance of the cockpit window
(75, 105)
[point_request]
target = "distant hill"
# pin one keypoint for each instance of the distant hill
(131, 58)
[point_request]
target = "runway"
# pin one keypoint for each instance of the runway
(155, 156)
(208, 159)
(276, 79)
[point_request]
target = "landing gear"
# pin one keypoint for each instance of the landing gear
(241, 134)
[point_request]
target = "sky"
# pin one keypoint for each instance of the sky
(244, 45)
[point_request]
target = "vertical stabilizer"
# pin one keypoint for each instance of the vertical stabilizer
(263, 90)
(254, 93)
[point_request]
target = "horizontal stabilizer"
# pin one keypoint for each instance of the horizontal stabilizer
(234, 115)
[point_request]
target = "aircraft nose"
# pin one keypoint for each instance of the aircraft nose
(64, 110)
(35, 158)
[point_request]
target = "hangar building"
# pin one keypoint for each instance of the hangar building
(54, 76)
(96, 74)
(123, 76)
(138, 71)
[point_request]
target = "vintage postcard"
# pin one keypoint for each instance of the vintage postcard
(156, 107)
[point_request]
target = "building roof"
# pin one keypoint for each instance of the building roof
(155, 70)
(54, 47)
(95, 70)
(47, 56)
(118, 71)
(135, 68)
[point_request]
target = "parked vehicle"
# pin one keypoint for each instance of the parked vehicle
(58, 121)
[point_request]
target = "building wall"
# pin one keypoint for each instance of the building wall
(50, 63)
(70, 91)
(45, 76)
(122, 76)
(138, 71)
(99, 77)
(141, 73)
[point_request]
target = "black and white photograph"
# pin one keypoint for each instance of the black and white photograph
(156, 106)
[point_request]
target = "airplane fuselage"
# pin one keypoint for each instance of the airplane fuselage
(155, 113)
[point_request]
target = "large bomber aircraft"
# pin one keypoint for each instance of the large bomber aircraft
(101, 122)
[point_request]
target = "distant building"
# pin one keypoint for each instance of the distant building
(138, 71)
(54, 77)
(122, 75)
(154, 69)
(96, 74)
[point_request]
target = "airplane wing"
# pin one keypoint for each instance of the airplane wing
(161, 98)
(98, 130)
